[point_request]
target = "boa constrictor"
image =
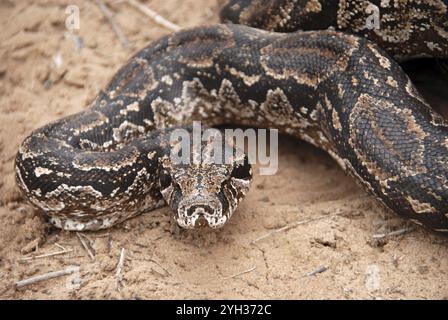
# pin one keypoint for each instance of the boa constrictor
(339, 91)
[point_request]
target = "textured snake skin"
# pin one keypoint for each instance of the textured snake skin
(340, 92)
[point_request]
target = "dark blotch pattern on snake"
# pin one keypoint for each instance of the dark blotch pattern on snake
(338, 91)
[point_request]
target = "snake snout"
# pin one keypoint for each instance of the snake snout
(201, 222)
(200, 213)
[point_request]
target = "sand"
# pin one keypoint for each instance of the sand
(329, 222)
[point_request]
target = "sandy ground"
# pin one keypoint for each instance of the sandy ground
(43, 76)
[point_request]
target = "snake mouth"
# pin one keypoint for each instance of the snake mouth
(199, 212)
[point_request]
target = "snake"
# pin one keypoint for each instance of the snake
(312, 69)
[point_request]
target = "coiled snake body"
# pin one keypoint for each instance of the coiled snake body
(340, 92)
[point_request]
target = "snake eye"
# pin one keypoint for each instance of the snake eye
(242, 170)
(164, 179)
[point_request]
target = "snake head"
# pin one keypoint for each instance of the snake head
(205, 193)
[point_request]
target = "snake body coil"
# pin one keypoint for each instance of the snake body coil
(340, 92)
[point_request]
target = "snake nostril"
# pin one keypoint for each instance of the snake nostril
(201, 222)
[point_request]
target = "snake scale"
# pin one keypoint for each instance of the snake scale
(315, 72)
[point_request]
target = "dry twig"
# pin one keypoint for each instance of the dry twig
(240, 273)
(59, 246)
(86, 247)
(119, 272)
(52, 254)
(292, 225)
(43, 277)
(160, 266)
(398, 232)
(318, 270)
(115, 28)
(154, 15)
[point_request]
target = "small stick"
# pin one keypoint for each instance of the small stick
(86, 247)
(89, 241)
(318, 270)
(290, 226)
(119, 271)
(46, 255)
(115, 28)
(59, 246)
(154, 15)
(240, 273)
(393, 233)
(160, 266)
(43, 277)
(101, 235)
